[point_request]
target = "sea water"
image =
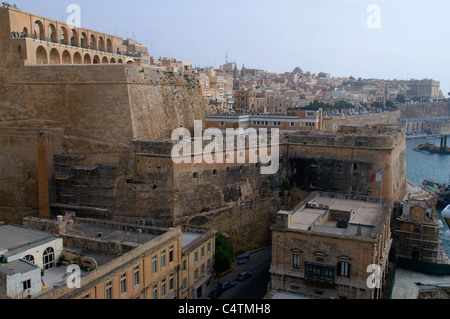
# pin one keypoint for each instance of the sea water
(423, 165)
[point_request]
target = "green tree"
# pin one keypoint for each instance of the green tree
(401, 98)
(223, 255)
(285, 189)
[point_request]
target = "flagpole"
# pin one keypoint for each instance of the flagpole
(381, 192)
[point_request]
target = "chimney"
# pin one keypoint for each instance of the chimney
(43, 194)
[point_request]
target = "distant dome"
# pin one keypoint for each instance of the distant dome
(298, 70)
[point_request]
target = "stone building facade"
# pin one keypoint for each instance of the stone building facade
(324, 247)
(95, 140)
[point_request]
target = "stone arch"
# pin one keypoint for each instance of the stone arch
(41, 55)
(105, 60)
(64, 35)
(75, 38)
(101, 44)
(39, 30)
(109, 46)
(53, 33)
(93, 42)
(120, 61)
(77, 58)
(54, 56)
(113, 60)
(25, 31)
(66, 59)
(130, 62)
(96, 59)
(84, 40)
(87, 59)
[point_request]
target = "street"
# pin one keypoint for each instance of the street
(254, 287)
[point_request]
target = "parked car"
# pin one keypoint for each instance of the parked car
(215, 294)
(244, 276)
(225, 285)
(243, 259)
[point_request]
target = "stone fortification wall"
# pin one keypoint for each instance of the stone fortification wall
(114, 103)
(368, 119)
(440, 109)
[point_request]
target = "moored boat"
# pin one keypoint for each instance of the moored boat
(442, 192)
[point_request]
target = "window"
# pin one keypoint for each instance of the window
(221, 123)
(292, 124)
(184, 265)
(209, 247)
(136, 275)
(296, 261)
(196, 274)
(171, 282)
(123, 283)
(49, 258)
(29, 258)
(202, 252)
(343, 269)
(26, 284)
(196, 256)
(163, 259)
(155, 264)
(163, 287)
(319, 272)
(202, 269)
(108, 293)
(171, 254)
(184, 283)
(155, 292)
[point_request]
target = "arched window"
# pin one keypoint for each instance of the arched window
(48, 258)
(84, 40)
(77, 58)
(41, 56)
(64, 36)
(39, 30)
(66, 57)
(54, 57)
(96, 60)
(101, 44)
(87, 59)
(113, 60)
(29, 258)
(74, 40)
(52, 32)
(105, 60)
(109, 46)
(93, 43)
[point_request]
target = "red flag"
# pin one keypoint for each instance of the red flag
(377, 177)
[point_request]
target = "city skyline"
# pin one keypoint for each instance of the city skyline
(326, 36)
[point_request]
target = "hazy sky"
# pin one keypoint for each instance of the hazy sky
(331, 36)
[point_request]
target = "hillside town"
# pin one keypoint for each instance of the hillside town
(93, 204)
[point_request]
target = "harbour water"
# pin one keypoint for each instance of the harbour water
(424, 165)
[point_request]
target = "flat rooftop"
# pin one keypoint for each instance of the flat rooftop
(188, 237)
(108, 233)
(15, 239)
(326, 215)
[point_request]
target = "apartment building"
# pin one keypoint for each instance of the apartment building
(325, 246)
(293, 121)
(116, 260)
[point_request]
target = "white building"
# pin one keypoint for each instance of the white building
(24, 254)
